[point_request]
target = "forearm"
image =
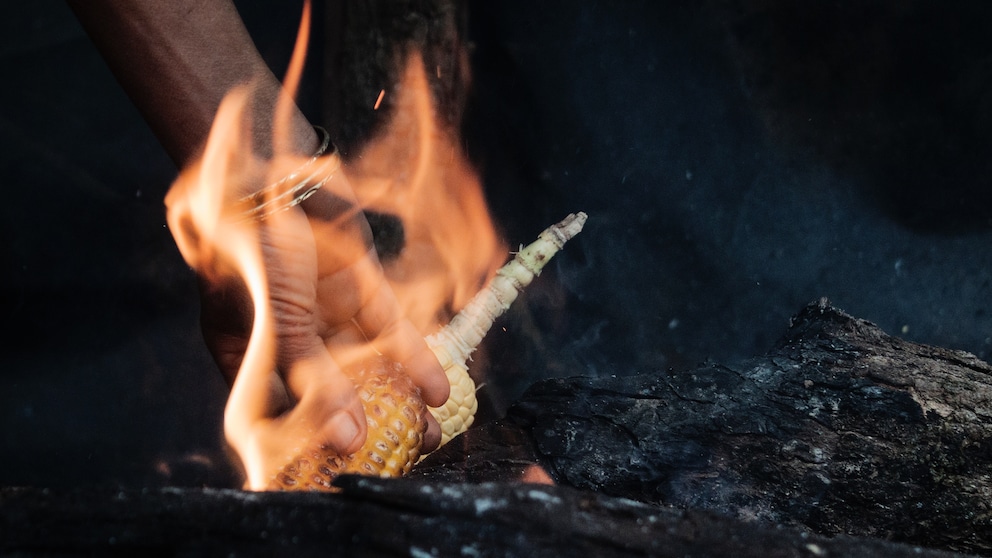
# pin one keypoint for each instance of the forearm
(177, 60)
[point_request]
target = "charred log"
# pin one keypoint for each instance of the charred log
(838, 429)
(374, 517)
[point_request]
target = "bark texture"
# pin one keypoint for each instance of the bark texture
(374, 517)
(840, 428)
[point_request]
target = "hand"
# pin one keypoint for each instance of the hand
(329, 298)
(179, 61)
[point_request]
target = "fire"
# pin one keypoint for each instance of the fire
(219, 247)
(414, 170)
(417, 171)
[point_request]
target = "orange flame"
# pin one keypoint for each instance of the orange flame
(414, 170)
(219, 246)
(417, 171)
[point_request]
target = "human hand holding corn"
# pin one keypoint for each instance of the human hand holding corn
(393, 406)
(319, 294)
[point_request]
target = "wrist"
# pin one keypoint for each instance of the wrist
(295, 186)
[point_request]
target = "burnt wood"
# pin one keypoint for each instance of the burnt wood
(375, 517)
(840, 428)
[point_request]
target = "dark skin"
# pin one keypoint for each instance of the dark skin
(177, 60)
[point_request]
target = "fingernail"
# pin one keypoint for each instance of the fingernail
(344, 431)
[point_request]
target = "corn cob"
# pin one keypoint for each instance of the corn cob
(454, 343)
(393, 407)
(394, 414)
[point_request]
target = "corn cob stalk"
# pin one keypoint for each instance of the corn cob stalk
(454, 343)
(392, 403)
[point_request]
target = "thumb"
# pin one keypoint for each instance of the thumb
(328, 407)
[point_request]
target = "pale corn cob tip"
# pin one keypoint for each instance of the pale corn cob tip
(570, 226)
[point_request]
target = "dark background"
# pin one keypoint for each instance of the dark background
(737, 160)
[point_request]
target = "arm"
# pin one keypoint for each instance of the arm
(177, 59)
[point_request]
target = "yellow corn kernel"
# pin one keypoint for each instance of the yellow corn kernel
(394, 413)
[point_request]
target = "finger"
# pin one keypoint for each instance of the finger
(330, 406)
(432, 438)
(225, 316)
(348, 346)
(399, 340)
(344, 432)
(377, 314)
(402, 342)
(329, 413)
(341, 239)
(379, 317)
(342, 294)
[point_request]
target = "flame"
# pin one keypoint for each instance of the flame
(535, 474)
(414, 170)
(219, 246)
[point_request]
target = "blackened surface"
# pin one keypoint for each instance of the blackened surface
(840, 429)
(500, 450)
(372, 517)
